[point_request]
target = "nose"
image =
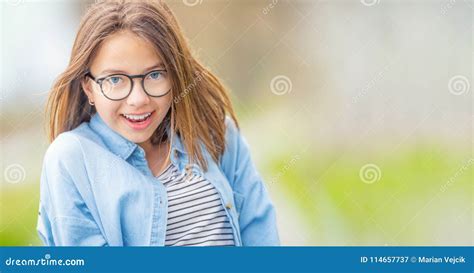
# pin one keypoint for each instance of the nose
(137, 97)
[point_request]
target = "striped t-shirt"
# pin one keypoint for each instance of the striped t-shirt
(196, 216)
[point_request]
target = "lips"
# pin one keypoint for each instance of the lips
(138, 121)
(137, 118)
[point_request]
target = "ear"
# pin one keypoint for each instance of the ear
(86, 85)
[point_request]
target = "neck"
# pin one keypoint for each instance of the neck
(156, 155)
(147, 146)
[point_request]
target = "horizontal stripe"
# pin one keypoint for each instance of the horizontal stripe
(208, 218)
(194, 185)
(200, 239)
(214, 243)
(208, 242)
(221, 224)
(211, 224)
(193, 205)
(175, 236)
(176, 203)
(214, 212)
(191, 194)
(196, 215)
(197, 235)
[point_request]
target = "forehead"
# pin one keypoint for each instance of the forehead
(125, 51)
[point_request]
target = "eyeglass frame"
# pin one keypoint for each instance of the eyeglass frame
(99, 81)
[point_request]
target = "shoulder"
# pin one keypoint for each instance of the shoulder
(67, 149)
(236, 148)
(230, 123)
(232, 131)
(232, 137)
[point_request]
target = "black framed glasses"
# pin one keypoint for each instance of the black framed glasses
(119, 86)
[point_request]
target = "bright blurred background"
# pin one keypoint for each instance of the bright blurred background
(359, 113)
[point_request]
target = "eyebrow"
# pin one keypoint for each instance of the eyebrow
(111, 71)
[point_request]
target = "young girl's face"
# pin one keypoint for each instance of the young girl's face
(126, 53)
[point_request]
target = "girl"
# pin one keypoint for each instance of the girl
(145, 147)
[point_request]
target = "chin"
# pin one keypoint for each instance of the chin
(139, 139)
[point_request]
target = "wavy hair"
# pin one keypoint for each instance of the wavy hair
(200, 101)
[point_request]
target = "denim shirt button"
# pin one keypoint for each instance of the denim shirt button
(228, 205)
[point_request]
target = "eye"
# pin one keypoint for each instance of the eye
(114, 80)
(155, 75)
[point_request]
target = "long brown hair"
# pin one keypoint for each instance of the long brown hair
(200, 101)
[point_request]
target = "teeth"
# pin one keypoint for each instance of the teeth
(137, 117)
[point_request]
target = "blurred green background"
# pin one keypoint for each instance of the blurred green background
(359, 114)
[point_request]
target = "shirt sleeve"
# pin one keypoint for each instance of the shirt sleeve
(64, 218)
(257, 217)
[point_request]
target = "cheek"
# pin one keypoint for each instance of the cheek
(163, 104)
(96, 93)
(107, 109)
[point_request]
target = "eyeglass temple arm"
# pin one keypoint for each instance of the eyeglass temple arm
(88, 74)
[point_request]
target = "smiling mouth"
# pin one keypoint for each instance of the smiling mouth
(137, 118)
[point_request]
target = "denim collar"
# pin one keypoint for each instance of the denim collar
(122, 146)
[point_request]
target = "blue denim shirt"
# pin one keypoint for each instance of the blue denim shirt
(97, 190)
